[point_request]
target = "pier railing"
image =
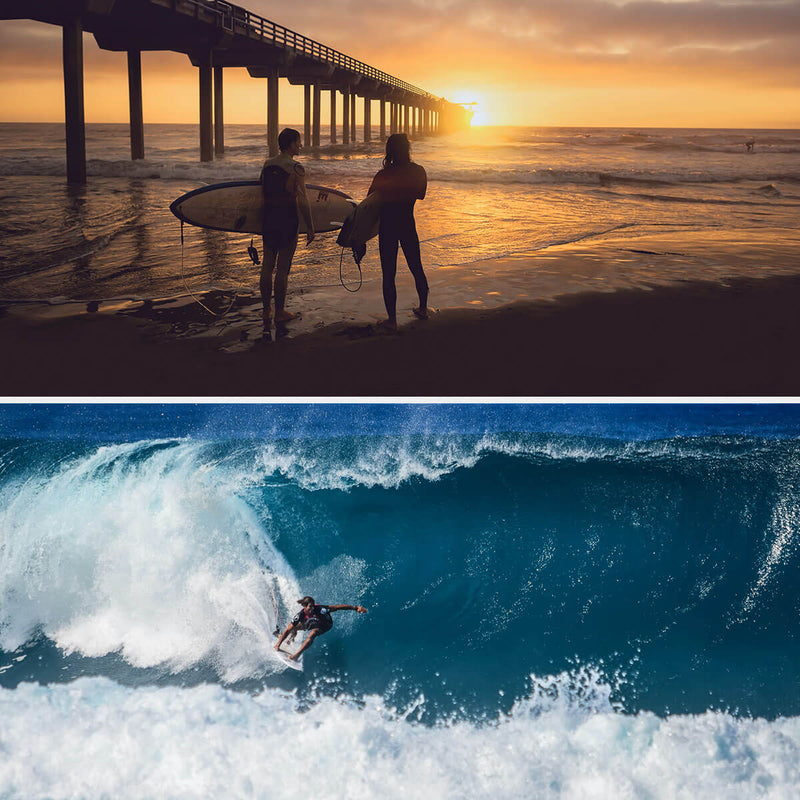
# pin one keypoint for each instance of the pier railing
(240, 21)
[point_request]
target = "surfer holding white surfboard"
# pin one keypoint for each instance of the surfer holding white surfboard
(284, 188)
(314, 618)
(400, 184)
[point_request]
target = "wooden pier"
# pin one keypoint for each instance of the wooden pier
(215, 35)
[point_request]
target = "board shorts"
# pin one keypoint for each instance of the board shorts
(320, 624)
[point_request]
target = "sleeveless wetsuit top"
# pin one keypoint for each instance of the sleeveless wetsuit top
(279, 222)
(318, 617)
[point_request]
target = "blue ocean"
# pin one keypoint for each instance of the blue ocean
(564, 601)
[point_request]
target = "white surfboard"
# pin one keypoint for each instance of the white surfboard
(237, 207)
(363, 223)
(284, 656)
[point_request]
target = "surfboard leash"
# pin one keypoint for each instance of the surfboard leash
(194, 296)
(277, 631)
(341, 278)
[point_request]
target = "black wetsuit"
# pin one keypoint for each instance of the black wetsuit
(400, 186)
(319, 618)
(279, 222)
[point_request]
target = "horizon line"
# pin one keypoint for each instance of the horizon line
(485, 125)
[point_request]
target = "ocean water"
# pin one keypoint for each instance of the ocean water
(577, 601)
(493, 192)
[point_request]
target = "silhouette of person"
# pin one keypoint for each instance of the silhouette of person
(284, 188)
(400, 184)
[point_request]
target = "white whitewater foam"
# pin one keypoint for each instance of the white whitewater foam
(95, 739)
(387, 463)
(144, 550)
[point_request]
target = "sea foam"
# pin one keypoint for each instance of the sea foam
(138, 549)
(93, 738)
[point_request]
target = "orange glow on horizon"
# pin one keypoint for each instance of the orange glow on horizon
(510, 86)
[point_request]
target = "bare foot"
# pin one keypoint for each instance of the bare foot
(286, 316)
(422, 313)
(388, 325)
(293, 657)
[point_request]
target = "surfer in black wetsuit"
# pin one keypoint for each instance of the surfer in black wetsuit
(284, 187)
(400, 184)
(316, 619)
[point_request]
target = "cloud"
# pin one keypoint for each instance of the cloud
(567, 24)
(589, 43)
(556, 23)
(513, 44)
(572, 40)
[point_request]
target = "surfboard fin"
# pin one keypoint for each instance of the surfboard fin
(253, 253)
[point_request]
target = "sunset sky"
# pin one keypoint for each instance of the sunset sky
(724, 63)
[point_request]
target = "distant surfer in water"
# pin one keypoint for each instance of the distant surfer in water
(400, 184)
(284, 185)
(316, 619)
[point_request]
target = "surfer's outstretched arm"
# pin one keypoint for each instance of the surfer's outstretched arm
(359, 609)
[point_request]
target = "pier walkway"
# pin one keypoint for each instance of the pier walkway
(215, 35)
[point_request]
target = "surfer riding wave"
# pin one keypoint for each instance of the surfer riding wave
(314, 618)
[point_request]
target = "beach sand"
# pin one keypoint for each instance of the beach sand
(502, 329)
(693, 339)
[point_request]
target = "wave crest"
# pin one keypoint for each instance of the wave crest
(135, 549)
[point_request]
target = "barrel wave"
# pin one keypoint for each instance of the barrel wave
(527, 585)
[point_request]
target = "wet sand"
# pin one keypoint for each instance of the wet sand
(691, 339)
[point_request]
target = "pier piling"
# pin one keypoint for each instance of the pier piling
(317, 111)
(346, 115)
(206, 112)
(73, 100)
(219, 115)
(307, 115)
(135, 104)
(272, 111)
(333, 116)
